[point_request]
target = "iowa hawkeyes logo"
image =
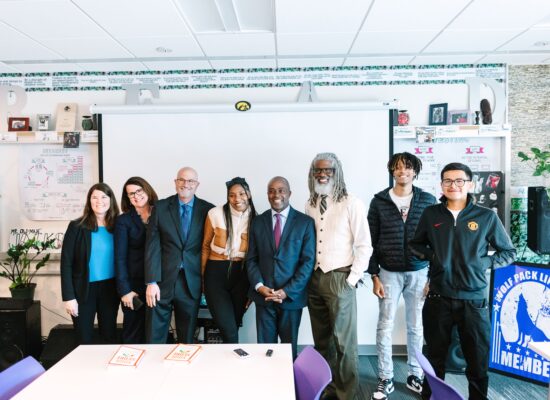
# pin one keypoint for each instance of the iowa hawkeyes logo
(472, 225)
(242, 105)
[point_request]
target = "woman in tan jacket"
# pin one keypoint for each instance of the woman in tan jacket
(224, 248)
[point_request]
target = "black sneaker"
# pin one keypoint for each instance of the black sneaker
(384, 388)
(414, 383)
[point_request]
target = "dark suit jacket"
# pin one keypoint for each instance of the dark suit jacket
(75, 257)
(165, 249)
(130, 253)
(290, 266)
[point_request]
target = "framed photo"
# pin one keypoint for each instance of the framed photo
(43, 122)
(18, 124)
(438, 114)
(519, 300)
(71, 140)
(459, 117)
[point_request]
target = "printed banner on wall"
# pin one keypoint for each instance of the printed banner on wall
(520, 303)
(370, 75)
(54, 182)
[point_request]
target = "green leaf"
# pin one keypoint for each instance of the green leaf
(535, 151)
(523, 156)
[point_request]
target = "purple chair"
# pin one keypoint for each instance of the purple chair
(311, 374)
(15, 378)
(440, 389)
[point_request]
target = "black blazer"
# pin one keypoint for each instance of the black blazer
(290, 266)
(129, 253)
(165, 249)
(75, 257)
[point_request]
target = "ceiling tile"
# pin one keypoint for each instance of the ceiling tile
(87, 48)
(176, 65)
(502, 14)
(246, 63)
(359, 61)
(470, 41)
(182, 46)
(203, 15)
(310, 62)
(129, 18)
(447, 59)
(529, 58)
(232, 44)
(391, 42)
(389, 15)
(527, 40)
(49, 19)
(314, 44)
(255, 15)
(112, 66)
(17, 47)
(320, 16)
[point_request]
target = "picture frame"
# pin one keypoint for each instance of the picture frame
(43, 122)
(438, 114)
(17, 124)
(71, 140)
(459, 117)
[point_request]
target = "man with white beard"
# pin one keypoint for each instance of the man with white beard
(343, 250)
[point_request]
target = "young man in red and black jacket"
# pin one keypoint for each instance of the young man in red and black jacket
(455, 237)
(393, 216)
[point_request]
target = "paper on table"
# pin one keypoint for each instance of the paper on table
(126, 357)
(183, 352)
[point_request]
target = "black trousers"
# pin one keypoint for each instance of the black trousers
(102, 300)
(226, 291)
(133, 324)
(472, 320)
(273, 322)
(186, 310)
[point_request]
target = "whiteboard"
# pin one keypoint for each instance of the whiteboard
(255, 146)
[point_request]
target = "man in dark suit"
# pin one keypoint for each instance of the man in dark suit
(172, 260)
(280, 263)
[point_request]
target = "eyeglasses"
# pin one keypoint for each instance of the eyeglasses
(457, 182)
(326, 171)
(138, 192)
(182, 181)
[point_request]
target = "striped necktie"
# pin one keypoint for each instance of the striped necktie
(323, 206)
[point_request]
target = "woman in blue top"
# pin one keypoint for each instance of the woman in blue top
(88, 267)
(138, 198)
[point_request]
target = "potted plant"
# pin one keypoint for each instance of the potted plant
(540, 161)
(17, 267)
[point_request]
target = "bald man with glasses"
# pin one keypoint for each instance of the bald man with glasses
(173, 260)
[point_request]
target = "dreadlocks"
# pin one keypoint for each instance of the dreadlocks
(339, 191)
(409, 161)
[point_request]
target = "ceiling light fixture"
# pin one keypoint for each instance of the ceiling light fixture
(161, 49)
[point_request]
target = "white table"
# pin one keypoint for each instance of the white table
(215, 374)
(543, 349)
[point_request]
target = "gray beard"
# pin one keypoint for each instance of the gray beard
(324, 189)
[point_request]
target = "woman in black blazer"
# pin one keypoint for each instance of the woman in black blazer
(88, 267)
(138, 198)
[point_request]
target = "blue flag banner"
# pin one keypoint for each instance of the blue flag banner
(520, 304)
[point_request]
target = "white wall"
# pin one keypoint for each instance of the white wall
(415, 99)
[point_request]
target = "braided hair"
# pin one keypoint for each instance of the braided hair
(339, 191)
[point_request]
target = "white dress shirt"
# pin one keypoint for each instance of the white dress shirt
(343, 236)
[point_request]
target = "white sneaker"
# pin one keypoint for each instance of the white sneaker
(383, 389)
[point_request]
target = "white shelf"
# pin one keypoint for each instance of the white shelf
(28, 137)
(452, 131)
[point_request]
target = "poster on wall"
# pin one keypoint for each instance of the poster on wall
(520, 307)
(479, 153)
(53, 182)
(489, 190)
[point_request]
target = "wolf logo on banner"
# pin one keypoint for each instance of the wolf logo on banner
(521, 314)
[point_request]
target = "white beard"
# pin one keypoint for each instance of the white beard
(326, 189)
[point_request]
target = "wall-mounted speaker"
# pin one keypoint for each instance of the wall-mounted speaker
(538, 220)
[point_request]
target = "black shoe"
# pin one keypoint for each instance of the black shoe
(414, 383)
(383, 389)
